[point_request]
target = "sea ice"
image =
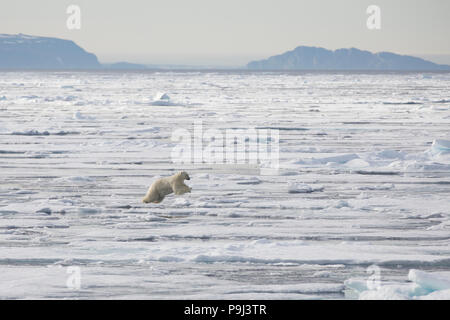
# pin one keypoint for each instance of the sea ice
(364, 181)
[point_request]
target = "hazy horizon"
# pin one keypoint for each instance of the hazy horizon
(232, 33)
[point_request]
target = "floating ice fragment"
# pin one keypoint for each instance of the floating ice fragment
(31, 132)
(385, 186)
(390, 154)
(76, 179)
(341, 159)
(44, 210)
(440, 147)
(162, 99)
(357, 163)
(342, 204)
(88, 210)
(302, 188)
(430, 281)
(162, 96)
(423, 285)
(79, 116)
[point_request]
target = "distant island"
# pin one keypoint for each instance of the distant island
(316, 58)
(27, 52)
(30, 52)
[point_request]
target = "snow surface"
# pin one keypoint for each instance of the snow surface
(363, 179)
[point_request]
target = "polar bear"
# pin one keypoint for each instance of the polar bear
(164, 186)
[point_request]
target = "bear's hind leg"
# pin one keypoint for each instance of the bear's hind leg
(152, 197)
(159, 199)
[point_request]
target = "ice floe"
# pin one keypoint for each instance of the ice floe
(422, 286)
(294, 187)
(162, 99)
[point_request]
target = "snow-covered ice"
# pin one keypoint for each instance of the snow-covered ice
(363, 179)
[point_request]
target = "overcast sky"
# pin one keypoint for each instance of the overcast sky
(232, 32)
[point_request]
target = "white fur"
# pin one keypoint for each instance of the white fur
(164, 186)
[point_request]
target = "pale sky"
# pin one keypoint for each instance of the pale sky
(233, 32)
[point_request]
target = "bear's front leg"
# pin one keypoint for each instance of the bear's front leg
(186, 188)
(181, 189)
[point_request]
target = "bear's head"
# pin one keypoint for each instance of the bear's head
(183, 175)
